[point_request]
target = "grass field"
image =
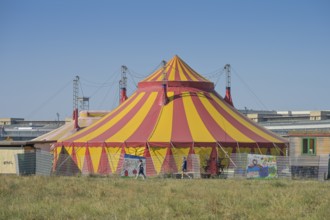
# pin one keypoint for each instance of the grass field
(36, 197)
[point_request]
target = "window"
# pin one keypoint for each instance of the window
(308, 146)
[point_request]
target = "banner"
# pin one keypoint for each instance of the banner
(261, 166)
(130, 166)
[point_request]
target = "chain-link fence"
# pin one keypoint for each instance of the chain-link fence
(236, 166)
(126, 165)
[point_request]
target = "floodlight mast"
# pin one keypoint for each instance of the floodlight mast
(228, 98)
(75, 102)
(123, 85)
(75, 92)
(164, 84)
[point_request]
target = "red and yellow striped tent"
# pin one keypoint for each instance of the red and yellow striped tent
(195, 120)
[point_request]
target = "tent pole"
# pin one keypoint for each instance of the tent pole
(259, 148)
(239, 151)
(226, 154)
(278, 149)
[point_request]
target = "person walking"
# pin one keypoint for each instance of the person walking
(141, 170)
(184, 168)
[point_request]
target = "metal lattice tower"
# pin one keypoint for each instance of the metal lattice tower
(164, 84)
(164, 72)
(228, 75)
(228, 98)
(75, 92)
(123, 81)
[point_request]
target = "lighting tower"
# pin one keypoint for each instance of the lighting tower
(75, 102)
(75, 92)
(123, 85)
(228, 98)
(164, 84)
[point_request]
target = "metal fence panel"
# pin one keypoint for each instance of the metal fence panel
(26, 163)
(44, 163)
(290, 167)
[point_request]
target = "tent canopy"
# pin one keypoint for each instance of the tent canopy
(195, 115)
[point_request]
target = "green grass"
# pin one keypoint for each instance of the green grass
(38, 197)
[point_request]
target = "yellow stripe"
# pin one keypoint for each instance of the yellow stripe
(127, 130)
(113, 154)
(171, 76)
(197, 127)
(232, 131)
(95, 153)
(80, 154)
(158, 156)
(244, 122)
(182, 75)
(112, 122)
(191, 75)
(163, 129)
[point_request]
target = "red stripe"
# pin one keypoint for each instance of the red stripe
(146, 127)
(122, 122)
(104, 167)
(177, 73)
(217, 132)
(180, 127)
(185, 73)
(88, 165)
(108, 118)
(246, 131)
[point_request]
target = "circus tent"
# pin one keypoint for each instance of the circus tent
(174, 112)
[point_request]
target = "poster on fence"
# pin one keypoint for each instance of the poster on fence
(261, 166)
(130, 166)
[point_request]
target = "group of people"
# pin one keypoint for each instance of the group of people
(183, 169)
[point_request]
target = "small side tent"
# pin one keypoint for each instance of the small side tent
(175, 112)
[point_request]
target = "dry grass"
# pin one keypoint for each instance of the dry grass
(37, 197)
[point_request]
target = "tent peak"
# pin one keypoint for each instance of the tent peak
(178, 73)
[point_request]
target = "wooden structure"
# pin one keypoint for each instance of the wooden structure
(309, 143)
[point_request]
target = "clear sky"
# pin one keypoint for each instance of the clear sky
(279, 50)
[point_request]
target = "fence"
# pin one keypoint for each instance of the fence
(237, 166)
(125, 165)
(293, 167)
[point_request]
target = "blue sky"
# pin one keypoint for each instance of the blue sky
(279, 50)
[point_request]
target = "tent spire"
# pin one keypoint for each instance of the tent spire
(123, 84)
(164, 84)
(228, 98)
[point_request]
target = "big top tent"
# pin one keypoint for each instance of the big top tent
(174, 112)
